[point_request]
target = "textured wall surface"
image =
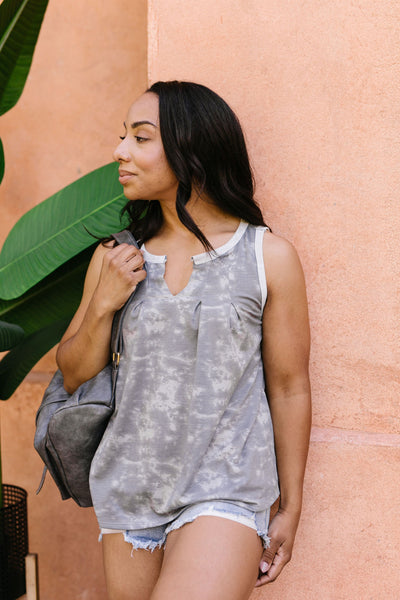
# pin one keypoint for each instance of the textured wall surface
(316, 86)
(89, 64)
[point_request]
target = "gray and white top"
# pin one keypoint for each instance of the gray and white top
(192, 421)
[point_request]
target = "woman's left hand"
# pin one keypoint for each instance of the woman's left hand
(282, 531)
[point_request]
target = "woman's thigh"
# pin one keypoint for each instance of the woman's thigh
(130, 574)
(211, 558)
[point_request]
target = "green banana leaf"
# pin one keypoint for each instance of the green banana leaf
(57, 229)
(55, 298)
(10, 335)
(20, 360)
(20, 22)
(1, 161)
(44, 312)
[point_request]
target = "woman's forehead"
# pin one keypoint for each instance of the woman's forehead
(145, 108)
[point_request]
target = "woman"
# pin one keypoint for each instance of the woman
(185, 475)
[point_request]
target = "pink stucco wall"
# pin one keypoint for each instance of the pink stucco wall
(89, 63)
(315, 85)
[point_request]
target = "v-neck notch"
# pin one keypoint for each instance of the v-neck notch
(203, 257)
(197, 259)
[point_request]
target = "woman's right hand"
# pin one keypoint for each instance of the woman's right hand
(112, 276)
(121, 271)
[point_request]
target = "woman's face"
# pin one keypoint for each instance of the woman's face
(144, 170)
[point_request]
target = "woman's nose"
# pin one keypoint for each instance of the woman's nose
(121, 153)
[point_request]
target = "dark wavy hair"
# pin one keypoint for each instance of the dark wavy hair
(205, 148)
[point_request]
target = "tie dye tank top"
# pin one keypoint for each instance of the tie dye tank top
(192, 421)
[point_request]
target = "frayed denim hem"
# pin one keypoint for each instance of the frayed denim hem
(139, 543)
(155, 537)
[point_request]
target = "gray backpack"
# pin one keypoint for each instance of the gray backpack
(69, 427)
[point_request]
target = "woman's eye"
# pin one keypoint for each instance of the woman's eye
(138, 138)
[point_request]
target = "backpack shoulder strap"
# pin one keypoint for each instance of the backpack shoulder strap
(125, 237)
(122, 237)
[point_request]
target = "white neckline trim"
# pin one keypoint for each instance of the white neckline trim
(259, 238)
(203, 257)
(154, 258)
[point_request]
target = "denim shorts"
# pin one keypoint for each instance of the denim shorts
(155, 537)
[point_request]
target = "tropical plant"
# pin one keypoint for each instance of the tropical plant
(44, 258)
(20, 23)
(42, 267)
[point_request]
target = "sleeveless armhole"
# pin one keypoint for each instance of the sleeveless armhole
(260, 263)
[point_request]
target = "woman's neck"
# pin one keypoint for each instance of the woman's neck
(208, 217)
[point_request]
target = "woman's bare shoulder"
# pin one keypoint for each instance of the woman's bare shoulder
(278, 248)
(282, 263)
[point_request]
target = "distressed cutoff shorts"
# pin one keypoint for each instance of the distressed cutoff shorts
(155, 537)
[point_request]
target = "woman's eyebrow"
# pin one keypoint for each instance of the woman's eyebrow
(139, 123)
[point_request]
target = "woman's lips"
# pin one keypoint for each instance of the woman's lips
(125, 176)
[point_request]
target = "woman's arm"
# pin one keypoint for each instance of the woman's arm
(285, 347)
(112, 276)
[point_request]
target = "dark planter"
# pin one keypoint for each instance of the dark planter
(13, 542)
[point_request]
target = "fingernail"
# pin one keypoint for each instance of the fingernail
(263, 567)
